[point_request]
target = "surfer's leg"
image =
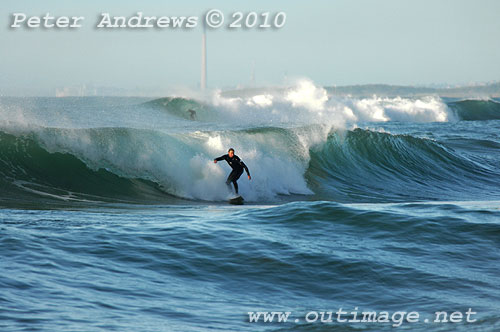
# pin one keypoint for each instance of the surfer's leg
(230, 179)
(235, 186)
(235, 178)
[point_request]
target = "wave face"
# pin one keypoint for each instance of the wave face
(471, 110)
(313, 162)
(179, 107)
(373, 166)
(112, 163)
(29, 171)
(299, 143)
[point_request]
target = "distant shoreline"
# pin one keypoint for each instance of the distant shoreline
(385, 90)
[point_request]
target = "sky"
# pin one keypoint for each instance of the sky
(335, 42)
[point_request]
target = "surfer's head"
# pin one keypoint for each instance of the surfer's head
(230, 152)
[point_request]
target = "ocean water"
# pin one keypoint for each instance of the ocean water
(115, 218)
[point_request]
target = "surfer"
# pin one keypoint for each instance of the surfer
(237, 165)
(192, 114)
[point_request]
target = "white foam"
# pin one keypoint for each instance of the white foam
(183, 163)
(260, 100)
(305, 103)
(426, 109)
(306, 94)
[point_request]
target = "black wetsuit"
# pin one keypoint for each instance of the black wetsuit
(237, 165)
(192, 114)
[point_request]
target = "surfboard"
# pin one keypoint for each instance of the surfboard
(236, 200)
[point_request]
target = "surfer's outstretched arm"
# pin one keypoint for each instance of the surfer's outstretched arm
(220, 158)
